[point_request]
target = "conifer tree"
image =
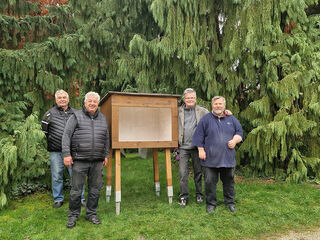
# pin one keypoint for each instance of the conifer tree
(262, 55)
(28, 77)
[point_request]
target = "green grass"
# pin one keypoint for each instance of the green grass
(264, 209)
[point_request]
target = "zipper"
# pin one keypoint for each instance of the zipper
(92, 128)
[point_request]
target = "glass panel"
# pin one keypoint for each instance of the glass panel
(144, 124)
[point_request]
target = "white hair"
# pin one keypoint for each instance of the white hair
(94, 94)
(218, 97)
(60, 91)
(190, 90)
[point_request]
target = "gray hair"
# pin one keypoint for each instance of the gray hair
(60, 91)
(89, 94)
(218, 97)
(190, 90)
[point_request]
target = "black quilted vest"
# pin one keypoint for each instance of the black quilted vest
(90, 137)
(58, 120)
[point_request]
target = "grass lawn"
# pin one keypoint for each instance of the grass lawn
(265, 208)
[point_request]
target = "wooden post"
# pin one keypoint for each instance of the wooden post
(169, 174)
(156, 171)
(117, 180)
(109, 177)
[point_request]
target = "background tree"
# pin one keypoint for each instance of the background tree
(263, 56)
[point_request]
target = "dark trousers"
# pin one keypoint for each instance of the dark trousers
(211, 180)
(80, 171)
(185, 155)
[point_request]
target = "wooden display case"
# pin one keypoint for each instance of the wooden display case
(140, 120)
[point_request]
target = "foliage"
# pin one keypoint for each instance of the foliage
(22, 156)
(25, 189)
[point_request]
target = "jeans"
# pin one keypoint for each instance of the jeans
(57, 168)
(185, 155)
(211, 180)
(82, 170)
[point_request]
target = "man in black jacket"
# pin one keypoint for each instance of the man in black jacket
(85, 146)
(53, 123)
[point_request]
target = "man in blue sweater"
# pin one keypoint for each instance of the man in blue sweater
(216, 137)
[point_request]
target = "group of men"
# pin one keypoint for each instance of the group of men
(79, 140)
(209, 139)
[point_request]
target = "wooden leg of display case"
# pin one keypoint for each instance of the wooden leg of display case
(117, 181)
(156, 171)
(169, 174)
(109, 177)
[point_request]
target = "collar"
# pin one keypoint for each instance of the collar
(223, 116)
(184, 107)
(61, 109)
(88, 114)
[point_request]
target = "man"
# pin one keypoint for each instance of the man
(189, 115)
(216, 137)
(85, 146)
(53, 124)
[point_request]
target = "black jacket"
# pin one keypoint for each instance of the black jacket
(86, 137)
(53, 124)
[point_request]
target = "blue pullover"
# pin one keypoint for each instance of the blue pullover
(213, 134)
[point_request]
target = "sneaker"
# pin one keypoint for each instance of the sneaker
(183, 202)
(210, 208)
(199, 199)
(57, 204)
(94, 219)
(232, 208)
(71, 222)
(83, 203)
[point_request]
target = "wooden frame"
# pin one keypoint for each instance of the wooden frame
(112, 104)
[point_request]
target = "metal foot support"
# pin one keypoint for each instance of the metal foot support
(157, 186)
(170, 194)
(118, 201)
(117, 208)
(108, 193)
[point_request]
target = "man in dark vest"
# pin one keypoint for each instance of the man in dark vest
(53, 124)
(85, 146)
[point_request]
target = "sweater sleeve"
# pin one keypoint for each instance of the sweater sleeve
(67, 135)
(199, 135)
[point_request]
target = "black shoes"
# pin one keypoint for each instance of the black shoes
(199, 199)
(94, 219)
(57, 204)
(210, 208)
(183, 202)
(71, 222)
(232, 208)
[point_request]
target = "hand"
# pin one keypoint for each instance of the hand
(231, 144)
(105, 162)
(68, 161)
(202, 154)
(227, 112)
